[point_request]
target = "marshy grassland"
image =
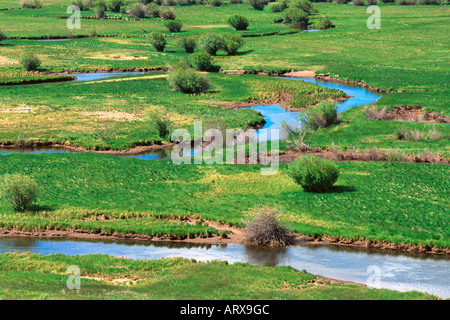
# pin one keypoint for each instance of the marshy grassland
(393, 202)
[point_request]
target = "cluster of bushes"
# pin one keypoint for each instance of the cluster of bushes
(294, 12)
(238, 22)
(209, 42)
(398, 2)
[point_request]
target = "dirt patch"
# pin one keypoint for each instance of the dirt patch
(301, 74)
(327, 77)
(112, 115)
(20, 110)
(413, 114)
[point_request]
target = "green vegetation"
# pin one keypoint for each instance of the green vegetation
(201, 61)
(323, 115)
(157, 40)
(314, 174)
(238, 22)
(19, 190)
(188, 81)
(131, 194)
(30, 276)
(30, 62)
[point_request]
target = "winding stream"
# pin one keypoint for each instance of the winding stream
(397, 271)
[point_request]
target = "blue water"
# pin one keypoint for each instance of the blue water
(397, 271)
(275, 115)
(100, 75)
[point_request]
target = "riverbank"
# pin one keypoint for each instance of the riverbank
(173, 278)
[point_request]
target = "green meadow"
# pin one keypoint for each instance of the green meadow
(30, 276)
(395, 202)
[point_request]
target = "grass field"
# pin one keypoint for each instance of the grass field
(29, 276)
(396, 202)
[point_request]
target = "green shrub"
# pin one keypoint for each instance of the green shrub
(2, 36)
(161, 123)
(188, 43)
(114, 5)
(81, 4)
(264, 228)
(201, 61)
(305, 5)
(313, 174)
(19, 190)
(257, 4)
(372, 2)
(211, 43)
(232, 43)
(238, 22)
(31, 4)
(325, 23)
(152, 9)
(322, 115)
(296, 17)
(277, 6)
(30, 62)
(167, 14)
(358, 3)
(157, 40)
(137, 11)
(234, 1)
(215, 3)
(173, 26)
(188, 81)
(100, 11)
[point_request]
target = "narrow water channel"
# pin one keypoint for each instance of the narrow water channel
(399, 272)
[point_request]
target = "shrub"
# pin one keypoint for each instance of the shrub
(211, 42)
(372, 2)
(152, 9)
(167, 14)
(358, 3)
(173, 26)
(277, 6)
(297, 17)
(264, 228)
(161, 123)
(325, 23)
(215, 3)
(238, 22)
(232, 43)
(313, 174)
(201, 61)
(2, 36)
(137, 11)
(305, 5)
(31, 4)
(257, 4)
(81, 4)
(434, 134)
(157, 40)
(322, 115)
(234, 1)
(100, 11)
(30, 62)
(374, 113)
(19, 190)
(188, 81)
(114, 5)
(188, 43)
